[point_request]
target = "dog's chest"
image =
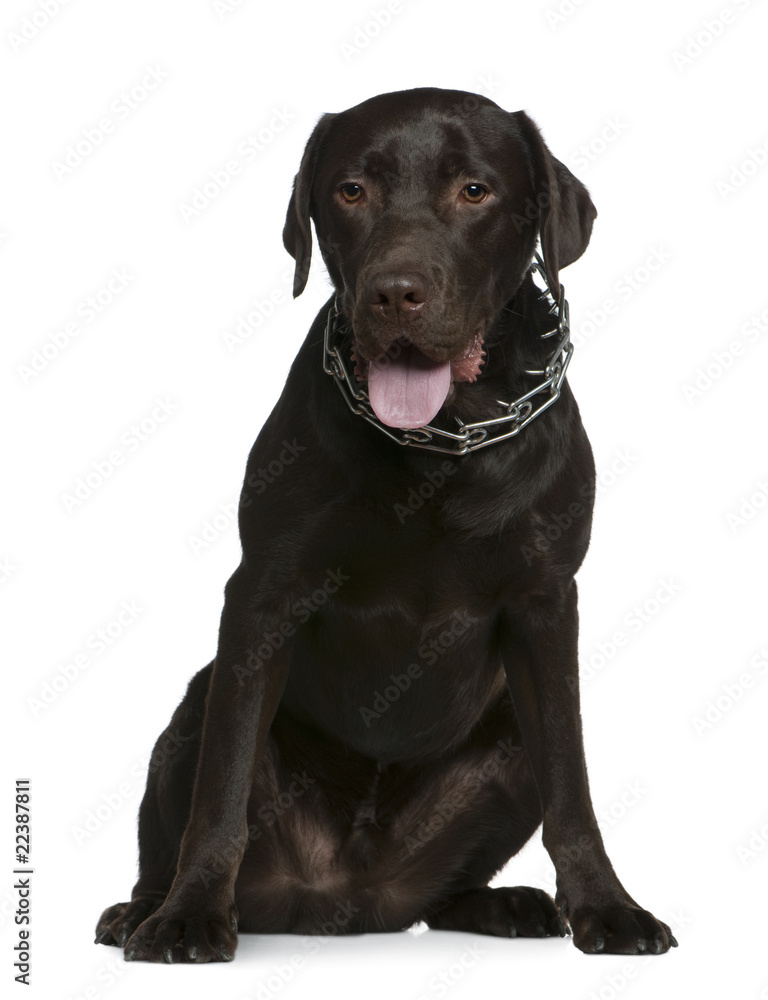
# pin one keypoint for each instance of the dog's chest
(400, 661)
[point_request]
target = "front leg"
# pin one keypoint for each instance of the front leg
(197, 922)
(539, 642)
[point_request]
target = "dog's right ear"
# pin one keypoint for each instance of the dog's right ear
(297, 232)
(564, 209)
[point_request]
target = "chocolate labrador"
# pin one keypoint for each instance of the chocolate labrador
(393, 709)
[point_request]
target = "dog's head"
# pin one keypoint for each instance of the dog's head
(427, 206)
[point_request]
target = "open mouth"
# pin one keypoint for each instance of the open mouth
(406, 388)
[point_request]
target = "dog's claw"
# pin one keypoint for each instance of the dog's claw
(622, 929)
(166, 937)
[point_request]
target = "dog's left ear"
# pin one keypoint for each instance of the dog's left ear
(565, 210)
(297, 231)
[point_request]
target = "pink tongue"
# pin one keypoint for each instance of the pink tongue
(405, 388)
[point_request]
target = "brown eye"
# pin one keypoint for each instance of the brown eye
(350, 192)
(474, 193)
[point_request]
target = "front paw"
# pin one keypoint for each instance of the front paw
(118, 922)
(621, 929)
(170, 936)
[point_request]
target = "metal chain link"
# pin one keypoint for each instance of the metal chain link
(469, 437)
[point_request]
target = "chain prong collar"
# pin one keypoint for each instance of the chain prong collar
(469, 437)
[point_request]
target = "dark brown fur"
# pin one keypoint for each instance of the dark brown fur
(393, 708)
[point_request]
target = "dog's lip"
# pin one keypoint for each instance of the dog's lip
(464, 368)
(467, 367)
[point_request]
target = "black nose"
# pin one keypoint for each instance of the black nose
(396, 296)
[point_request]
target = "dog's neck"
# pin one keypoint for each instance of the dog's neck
(511, 418)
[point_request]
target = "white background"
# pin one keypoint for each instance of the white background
(654, 135)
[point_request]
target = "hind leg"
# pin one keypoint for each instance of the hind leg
(484, 808)
(162, 816)
(504, 912)
(366, 847)
(489, 826)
